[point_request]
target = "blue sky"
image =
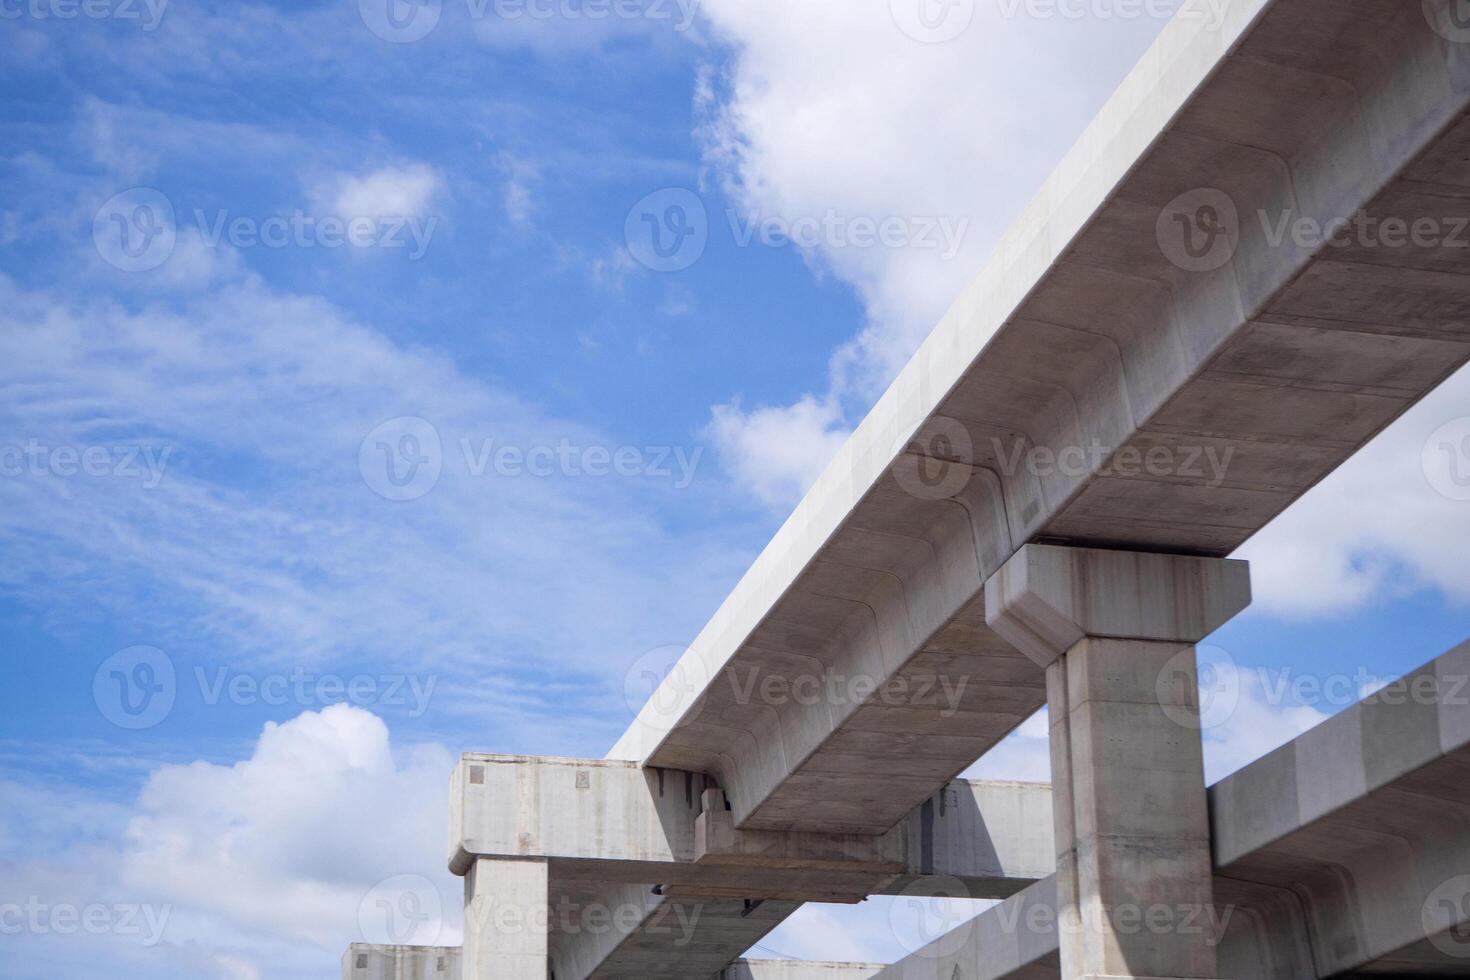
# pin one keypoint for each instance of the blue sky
(196, 422)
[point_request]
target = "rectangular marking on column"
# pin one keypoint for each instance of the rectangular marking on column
(926, 838)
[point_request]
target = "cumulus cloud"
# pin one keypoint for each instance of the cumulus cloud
(302, 830)
(271, 865)
(833, 109)
(777, 451)
(831, 113)
(388, 192)
(1394, 519)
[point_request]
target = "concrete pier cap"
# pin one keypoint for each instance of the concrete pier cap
(1047, 598)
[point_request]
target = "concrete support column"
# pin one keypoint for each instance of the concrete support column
(506, 920)
(1116, 633)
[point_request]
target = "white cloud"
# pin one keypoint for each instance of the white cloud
(302, 830)
(1377, 528)
(305, 564)
(389, 192)
(519, 176)
(1257, 717)
(777, 451)
(832, 110)
(257, 868)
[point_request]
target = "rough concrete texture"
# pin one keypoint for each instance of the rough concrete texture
(1090, 328)
(1133, 831)
(1116, 630)
(506, 921)
(610, 831)
(366, 961)
(1344, 853)
(1047, 598)
(795, 970)
(611, 822)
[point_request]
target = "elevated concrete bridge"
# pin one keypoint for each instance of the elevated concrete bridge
(1251, 263)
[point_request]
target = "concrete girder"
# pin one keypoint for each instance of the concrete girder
(609, 832)
(365, 961)
(1344, 853)
(600, 822)
(1088, 328)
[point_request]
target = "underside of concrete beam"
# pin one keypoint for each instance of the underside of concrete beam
(1203, 392)
(1346, 852)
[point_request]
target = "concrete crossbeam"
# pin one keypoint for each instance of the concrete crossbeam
(600, 822)
(798, 970)
(1093, 329)
(369, 961)
(1344, 853)
(365, 961)
(611, 833)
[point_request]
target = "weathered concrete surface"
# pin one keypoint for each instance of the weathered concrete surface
(1344, 853)
(368, 961)
(610, 831)
(364, 961)
(1046, 599)
(506, 920)
(1116, 631)
(1092, 326)
(798, 970)
(604, 822)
